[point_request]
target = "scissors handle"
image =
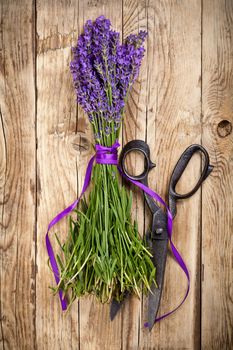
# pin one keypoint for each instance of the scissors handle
(139, 146)
(178, 171)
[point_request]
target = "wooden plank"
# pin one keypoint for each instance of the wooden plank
(165, 109)
(96, 329)
(217, 196)
(173, 123)
(17, 176)
(57, 160)
(134, 127)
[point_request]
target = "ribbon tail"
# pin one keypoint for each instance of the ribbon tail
(183, 266)
(175, 252)
(55, 220)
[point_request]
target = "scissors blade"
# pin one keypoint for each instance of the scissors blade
(116, 306)
(159, 251)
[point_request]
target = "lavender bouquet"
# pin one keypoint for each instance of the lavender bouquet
(104, 254)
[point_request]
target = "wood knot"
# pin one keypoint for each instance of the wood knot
(95, 3)
(224, 128)
(81, 143)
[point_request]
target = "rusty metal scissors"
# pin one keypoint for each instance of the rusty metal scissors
(157, 236)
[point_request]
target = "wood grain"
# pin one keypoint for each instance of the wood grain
(217, 196)
(56, 161)
(173, 122)
(17, 176)
(134, 127)
(183, 95)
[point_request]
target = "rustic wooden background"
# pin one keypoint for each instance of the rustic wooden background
(184, 95)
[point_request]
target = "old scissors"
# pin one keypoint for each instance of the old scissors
(157, 237)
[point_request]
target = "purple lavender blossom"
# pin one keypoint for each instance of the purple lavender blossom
(107, 130)
(104, 70)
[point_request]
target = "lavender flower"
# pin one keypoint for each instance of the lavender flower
(107, 130)
(103, 72)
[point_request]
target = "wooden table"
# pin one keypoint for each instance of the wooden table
(184, 95)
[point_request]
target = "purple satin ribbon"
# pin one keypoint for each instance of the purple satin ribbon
(108, 155)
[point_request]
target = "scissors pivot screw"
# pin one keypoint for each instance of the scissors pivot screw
(159, 230)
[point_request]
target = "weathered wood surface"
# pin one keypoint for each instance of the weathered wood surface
(184, 95)
(17, 176)
(217, 194)
(56, 30)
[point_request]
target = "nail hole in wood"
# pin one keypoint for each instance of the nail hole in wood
(224, 128)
